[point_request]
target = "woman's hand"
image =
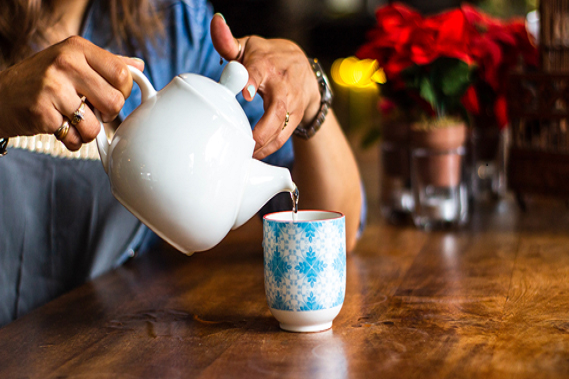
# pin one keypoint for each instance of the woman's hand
(279, 70)
(38, 94)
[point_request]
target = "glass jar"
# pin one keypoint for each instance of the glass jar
(438, 174)
(439, 187)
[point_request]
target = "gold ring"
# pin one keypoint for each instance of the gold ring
(61, 133)
(79, 114)
(286, 120)
(240, 50)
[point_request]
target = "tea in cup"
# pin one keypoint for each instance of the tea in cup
(305, 268)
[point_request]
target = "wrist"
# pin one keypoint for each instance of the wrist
(316, 114)
(312, 110)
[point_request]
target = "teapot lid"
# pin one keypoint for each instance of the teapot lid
(221, 96)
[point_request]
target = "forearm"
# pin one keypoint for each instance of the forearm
(327, 175)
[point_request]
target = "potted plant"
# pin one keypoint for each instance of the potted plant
(428, 70)
(436, 68)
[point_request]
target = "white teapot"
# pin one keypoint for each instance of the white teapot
(182, 161)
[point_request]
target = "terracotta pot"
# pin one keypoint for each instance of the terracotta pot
(451, 137)
(436, 155)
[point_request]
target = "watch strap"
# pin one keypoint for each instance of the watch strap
(307, 132)
(326, 95)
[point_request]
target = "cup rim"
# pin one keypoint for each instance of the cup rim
(337, 216)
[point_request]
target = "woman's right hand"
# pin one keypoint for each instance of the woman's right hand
(39, 93)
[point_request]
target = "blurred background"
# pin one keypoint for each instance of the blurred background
(332, 31)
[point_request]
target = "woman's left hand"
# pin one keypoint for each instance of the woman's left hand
(281, 73)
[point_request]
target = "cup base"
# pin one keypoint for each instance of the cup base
(306, 329)
(306, 321)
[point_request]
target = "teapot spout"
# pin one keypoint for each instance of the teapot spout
(264, 181)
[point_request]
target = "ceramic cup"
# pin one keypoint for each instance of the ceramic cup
(305, 268)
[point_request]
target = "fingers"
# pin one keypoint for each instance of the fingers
(109, 67)
(96, 73)
(87, 128)
(73, 140)
(280, 136)
(226, 45)
(42, 91)
(272, 130)
(269, 126)
(279, 71)
(133, 61)
(68, 135)
(103, 78)
(258, 70)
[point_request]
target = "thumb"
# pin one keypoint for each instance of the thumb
(223, 41)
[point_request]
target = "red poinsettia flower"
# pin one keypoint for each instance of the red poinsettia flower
(443, 35)
(389, 40)
(477, 19)
(470, 100)
(432, 57)
(501, 111)
(524, 43)
(497, 47)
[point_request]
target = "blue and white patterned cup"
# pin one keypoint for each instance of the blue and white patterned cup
(305, 268)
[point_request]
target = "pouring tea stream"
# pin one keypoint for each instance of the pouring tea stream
(182, 162)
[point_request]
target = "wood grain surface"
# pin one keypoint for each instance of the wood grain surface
(488, 301)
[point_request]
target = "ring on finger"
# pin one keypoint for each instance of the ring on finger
(61, 133)
(79, 114)
(287, 117)
(240, 50)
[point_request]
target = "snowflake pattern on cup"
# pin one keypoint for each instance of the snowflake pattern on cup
(305, 264)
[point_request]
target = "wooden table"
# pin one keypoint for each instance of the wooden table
(490, 301)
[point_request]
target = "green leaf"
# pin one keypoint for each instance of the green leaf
(427, 92)
(455, 79)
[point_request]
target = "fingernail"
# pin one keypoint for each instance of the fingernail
(251, 90)
(137, 59)
(220, 15)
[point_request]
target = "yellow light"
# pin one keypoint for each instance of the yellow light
(355, 73)
(379, 76)
(347, 70)
(363, 71)
(335, 72)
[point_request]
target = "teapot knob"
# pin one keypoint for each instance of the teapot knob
(234, 77)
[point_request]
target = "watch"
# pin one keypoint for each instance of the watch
(326, 96)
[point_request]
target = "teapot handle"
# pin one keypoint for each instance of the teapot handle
(147, 91)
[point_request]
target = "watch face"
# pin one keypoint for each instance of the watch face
(327, 93)
(328, 86)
